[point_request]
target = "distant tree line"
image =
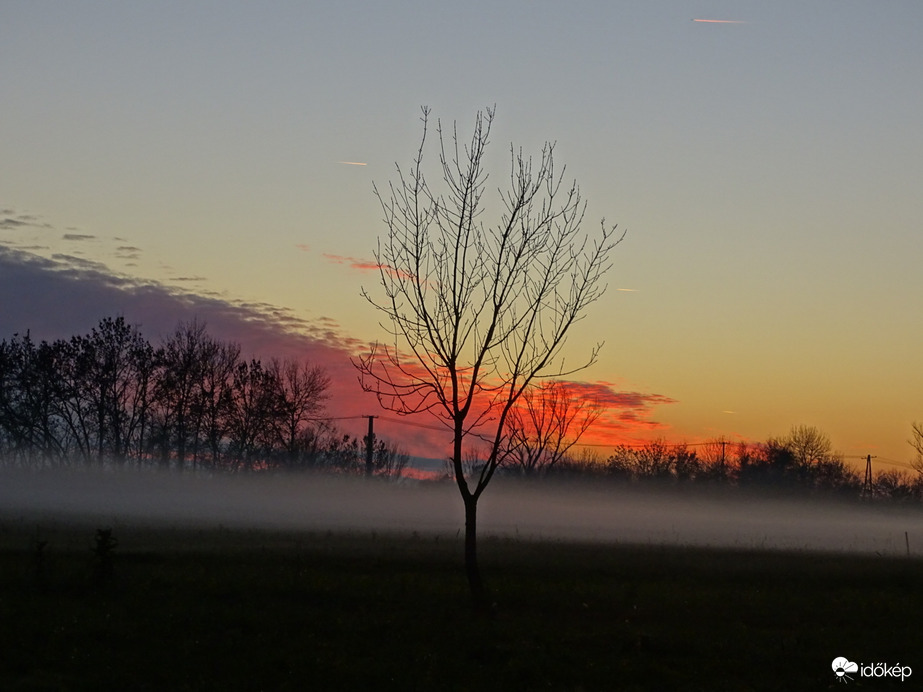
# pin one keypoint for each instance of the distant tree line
(545, 430)
(111, 397)
(802, 461)
(193, 402)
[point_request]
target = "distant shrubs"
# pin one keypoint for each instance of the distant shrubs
(801, 462)
(898, 486)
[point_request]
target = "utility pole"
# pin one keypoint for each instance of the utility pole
(370, 446)
(867, 484)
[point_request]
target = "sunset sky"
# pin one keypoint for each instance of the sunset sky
(161, 159)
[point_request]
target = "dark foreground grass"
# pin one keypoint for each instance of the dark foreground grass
(234, 610)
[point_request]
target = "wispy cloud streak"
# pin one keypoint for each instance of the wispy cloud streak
(10, 219)
(359, 264)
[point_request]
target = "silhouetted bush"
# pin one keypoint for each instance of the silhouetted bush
(103, 553)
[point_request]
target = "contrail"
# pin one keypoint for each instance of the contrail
(353, 163)
(721, 21)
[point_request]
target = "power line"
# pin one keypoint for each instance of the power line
(886, 460)
(328, 418)
(401, 421)
(894, 462)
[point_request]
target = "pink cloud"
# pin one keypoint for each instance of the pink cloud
(361, 265)
(626, 416)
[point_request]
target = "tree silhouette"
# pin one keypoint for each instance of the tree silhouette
(218, 363)
(769, 463)
(251, 413)
(301, 390)
(808, 444)
(916, 441)
(102, 389)
(178, 394)
(547, 424)
(476, 311)
(31, 430)
(111, 397)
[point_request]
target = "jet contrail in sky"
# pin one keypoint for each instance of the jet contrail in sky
(353, 163)
(721, 21)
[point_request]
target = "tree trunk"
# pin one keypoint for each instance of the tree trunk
(478, 592)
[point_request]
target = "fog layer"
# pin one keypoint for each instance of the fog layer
(627, 514)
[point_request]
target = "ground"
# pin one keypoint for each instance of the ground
(220, 609)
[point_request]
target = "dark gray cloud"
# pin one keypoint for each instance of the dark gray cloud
(10, 219)
(67, 295)
(75, 262)
(10, 223)
(78, 236)
(127, 252)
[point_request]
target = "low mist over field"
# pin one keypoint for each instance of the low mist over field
(605, 513)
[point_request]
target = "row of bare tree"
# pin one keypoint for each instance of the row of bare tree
(803, 459)
(544, 432)
(193, 401)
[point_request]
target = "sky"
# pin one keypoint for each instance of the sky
(166, 159)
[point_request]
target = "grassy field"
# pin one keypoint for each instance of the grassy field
(248, 610)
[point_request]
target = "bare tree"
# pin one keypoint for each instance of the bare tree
(29, 420)
(219, 361)
(655, 460)
(104, 388)
(178, 391)
(388, 461)
(301, 391)
(251, 414)
(549, 421)
(123, 374)
(808, 444)
(477, 311)
(916, 441)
